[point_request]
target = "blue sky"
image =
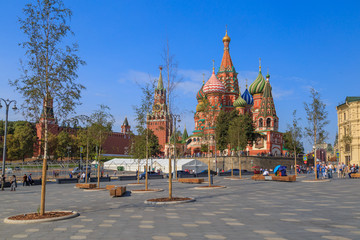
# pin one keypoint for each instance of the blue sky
(303, 44)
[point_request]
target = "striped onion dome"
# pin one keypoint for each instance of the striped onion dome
(200, 95)
(240, 102)
(247, 97)
(258, 85)
(213, 85)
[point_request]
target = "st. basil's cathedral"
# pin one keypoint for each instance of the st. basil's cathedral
(222, 93)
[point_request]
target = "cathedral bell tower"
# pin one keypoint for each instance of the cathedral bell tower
(159, 120)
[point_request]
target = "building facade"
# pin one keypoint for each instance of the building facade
(222, 93)
(349, 130)
(117, 143)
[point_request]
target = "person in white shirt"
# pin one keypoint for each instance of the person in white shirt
(266, 173)
(82, 177)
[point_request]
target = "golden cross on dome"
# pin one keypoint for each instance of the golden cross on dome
(203, 78)
(246, 82)
(259, 64)
(213, 65)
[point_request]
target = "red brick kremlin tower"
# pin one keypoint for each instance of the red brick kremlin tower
(159, 120)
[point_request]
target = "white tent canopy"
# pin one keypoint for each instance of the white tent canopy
(130, 164)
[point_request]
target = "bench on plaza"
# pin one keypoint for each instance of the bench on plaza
(117, 191)
(6, 185)
(191, 180)
(156, 176)
(85, 185)
(66, 180)
(108, 187)
(272, 177)
(102, 179)
(355, 175)
(126, 178)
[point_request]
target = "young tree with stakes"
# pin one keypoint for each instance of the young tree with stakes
(316, 115)
(141, 112)
(295, 135)
(50, 68)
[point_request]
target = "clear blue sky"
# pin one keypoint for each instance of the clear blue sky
(303, 44)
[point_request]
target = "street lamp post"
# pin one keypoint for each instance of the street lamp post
(7, 104)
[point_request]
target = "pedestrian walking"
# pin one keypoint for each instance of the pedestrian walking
(82, 177)
(30, 180)
(25, 180)
(2, 182)
(13, 183)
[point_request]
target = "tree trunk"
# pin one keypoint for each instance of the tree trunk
(87, 159)
(43, 177)
(295, 162)
(147, 158)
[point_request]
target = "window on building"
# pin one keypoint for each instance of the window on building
(260, 122)
(344, 116)
(268, 122)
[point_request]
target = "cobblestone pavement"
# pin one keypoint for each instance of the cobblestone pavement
(244, 210)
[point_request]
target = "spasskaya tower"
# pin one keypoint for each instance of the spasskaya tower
(159, 120)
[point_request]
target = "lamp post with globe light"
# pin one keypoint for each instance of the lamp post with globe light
(7, 104)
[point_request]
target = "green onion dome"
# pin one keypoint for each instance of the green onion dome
(258, 85)
(240, 102)
(200, 95)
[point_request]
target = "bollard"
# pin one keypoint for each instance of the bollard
(212, 179)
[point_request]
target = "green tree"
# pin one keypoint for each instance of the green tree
(316, 115)
(64, 142)
(241, 131)
(294, 137)
(222, 129)
(100, 125)
(138, 150)
(21, 143)
(50, 67)
(287, 143)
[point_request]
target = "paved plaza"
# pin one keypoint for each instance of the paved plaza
(244, 210)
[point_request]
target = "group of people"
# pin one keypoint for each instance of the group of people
(327, 170)
(344, 169)
(27, 181)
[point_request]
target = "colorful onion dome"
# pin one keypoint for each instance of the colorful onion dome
(258, 85)
(200, 95)
(213, 85)
(240, 102)
(247, 97)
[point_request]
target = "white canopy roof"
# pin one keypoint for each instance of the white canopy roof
(130, 164)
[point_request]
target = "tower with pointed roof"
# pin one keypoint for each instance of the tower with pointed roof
(125, 127)
(159, 120)
(228, 76)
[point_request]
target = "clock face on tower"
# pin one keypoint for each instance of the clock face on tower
(157, 107)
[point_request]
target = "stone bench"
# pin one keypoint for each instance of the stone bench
(191, 180)
(117, 191)
(85, 185)
(290, 178)
(66, 180)
(102, 179)
(125, 178)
